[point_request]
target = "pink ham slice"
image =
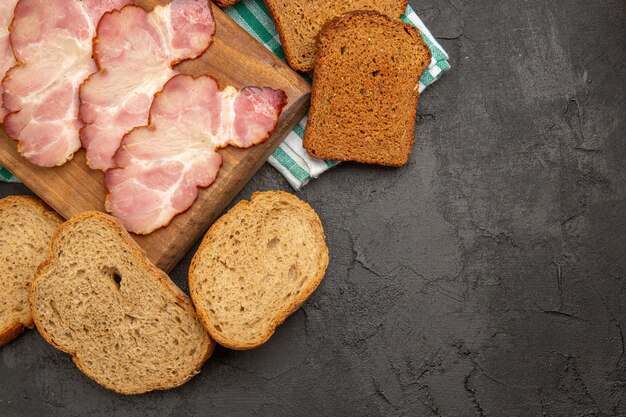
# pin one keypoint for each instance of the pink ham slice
(135, 51)
(7, 60)
(161, 166)
(52, 42)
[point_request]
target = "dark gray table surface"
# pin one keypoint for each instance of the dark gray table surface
(485, 278)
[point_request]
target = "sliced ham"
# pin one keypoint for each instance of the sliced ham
(135, 51)
(161, 166)
(7, 60)
(52, 42)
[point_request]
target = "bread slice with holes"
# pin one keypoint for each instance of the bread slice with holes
(26, 227)
(366, 90)
(257, 265)
(300, 21)
(125, 323)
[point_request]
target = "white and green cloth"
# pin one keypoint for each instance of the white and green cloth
(290, 158)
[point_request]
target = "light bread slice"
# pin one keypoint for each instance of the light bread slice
(125, 323)
(300, 21)
(365, 90)
(26, 227)
(257, 265)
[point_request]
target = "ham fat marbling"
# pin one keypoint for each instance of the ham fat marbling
(161, 166)
(7, 60)
(135, 51)
(52, 43)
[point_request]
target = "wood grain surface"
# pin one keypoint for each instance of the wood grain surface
(234, 58)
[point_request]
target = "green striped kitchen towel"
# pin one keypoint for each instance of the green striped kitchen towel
(6, 176)
(290, 158)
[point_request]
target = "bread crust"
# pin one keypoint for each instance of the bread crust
(286, 312)
(138, 254)
(290, 53)
(11, 331)
(35, 203)
(225, 3)
(16, 327)
(325, 37)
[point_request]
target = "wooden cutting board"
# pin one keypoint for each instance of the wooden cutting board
(235, 58)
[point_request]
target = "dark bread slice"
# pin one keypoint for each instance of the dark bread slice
(26, 227)
(125, 323)
(225, 3)
(257, 264)
(365, 90)
(300, 21)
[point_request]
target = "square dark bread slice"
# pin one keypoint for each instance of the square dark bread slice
(300, 21)
(365, 90)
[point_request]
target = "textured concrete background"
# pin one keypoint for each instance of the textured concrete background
(486, 278)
